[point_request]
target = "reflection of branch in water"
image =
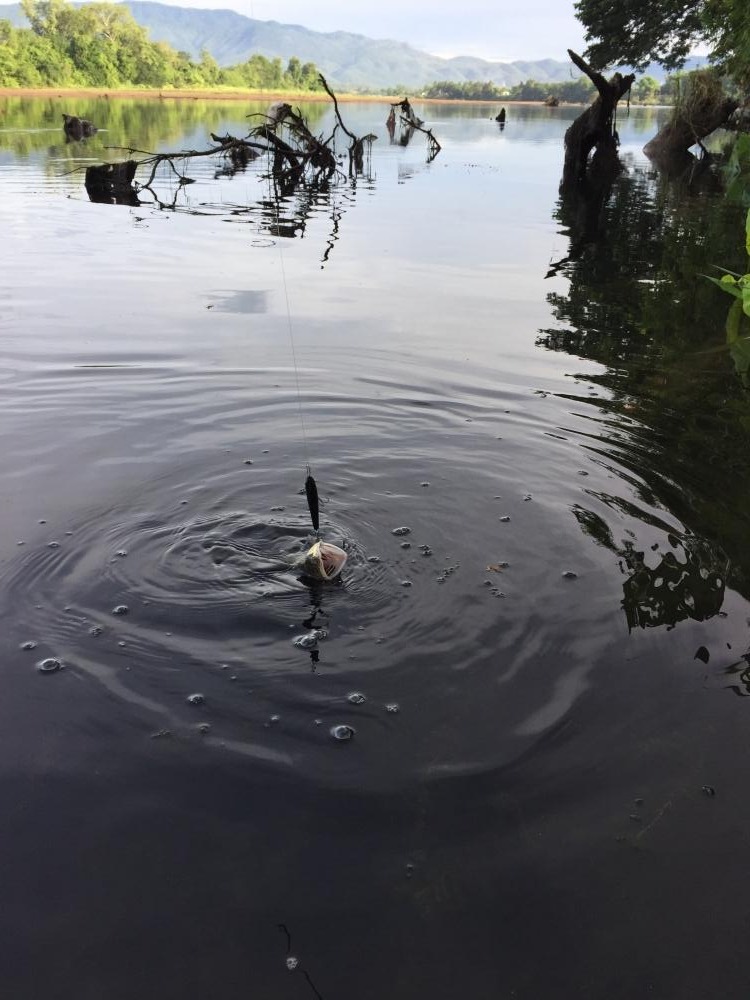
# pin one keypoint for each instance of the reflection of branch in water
(334, 235)
(671, 591)
(410, 124)
(740, 670)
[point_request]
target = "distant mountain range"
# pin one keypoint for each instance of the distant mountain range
(348, 61)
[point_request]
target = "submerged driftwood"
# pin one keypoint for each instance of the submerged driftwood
(78, 128)
(409, 124)
(296, 156)
(594, 129)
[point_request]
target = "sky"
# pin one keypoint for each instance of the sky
(490, 29)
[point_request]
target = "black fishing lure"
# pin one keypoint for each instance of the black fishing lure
(311, 492)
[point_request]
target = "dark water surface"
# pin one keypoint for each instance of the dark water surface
(549, 406)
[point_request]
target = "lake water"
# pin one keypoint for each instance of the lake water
(545, 792)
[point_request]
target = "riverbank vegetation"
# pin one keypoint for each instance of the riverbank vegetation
(101, 45)
(647, 90)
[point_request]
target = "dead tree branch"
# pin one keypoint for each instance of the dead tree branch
(594, 129)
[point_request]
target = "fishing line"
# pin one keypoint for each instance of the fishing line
(311, 489)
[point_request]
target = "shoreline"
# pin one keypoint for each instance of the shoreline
(246, 95)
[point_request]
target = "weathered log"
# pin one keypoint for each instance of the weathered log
(594, 128)
(704, 109)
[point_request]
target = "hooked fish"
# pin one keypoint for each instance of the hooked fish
(322, 561)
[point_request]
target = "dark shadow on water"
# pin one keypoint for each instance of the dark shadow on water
(675, 419)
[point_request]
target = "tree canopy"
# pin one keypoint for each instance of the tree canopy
(102, 45)
(635, 32)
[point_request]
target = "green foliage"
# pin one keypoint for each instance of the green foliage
(636, 33)
(737, 171)
(646, 90)
(738, 335)
(101, 45)
(579, 91)
(667, 31)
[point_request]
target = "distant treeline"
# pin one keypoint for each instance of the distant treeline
(101, 45)
(647, 90)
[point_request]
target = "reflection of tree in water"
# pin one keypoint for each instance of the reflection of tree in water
(676, 422)
(686, 582)
(740, 673)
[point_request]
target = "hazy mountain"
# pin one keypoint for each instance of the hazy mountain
(347, 60)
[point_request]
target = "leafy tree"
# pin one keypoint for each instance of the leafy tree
(634, 32)
(666, 31)
(101, 44)
(647, 89)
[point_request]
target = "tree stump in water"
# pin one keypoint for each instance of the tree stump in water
(593, 130)
(112, 183)
(78, 128)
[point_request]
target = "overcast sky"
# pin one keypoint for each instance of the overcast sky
(492, 29)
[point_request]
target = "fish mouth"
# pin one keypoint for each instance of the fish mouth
(325, 561)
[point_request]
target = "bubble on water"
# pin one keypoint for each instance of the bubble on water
(425, 550)
(121, 609)
(248, 461)
(121, 553)
(405, 545)
(195, 699)
(356, 698)
(53, 545)
(373, 559)
(393, 707)
(68, 533)
(505, 518)
(204, 727)
(29, 644)
(21, 542)
(403, 530)
(49, 666)
(342, 733)
(406, 583)
(96, 630)
(275, 719)
(569, 575)
(120, 643)
(292, 963)
(424, 484)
